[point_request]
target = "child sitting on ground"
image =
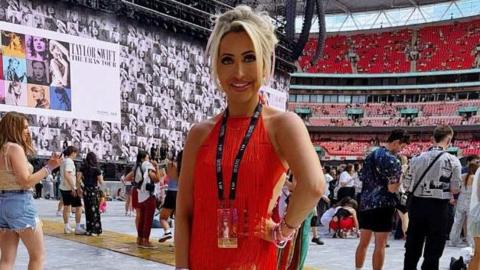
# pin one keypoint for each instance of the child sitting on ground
(342, 218)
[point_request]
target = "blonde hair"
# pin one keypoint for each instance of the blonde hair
(260, 30)
(39, 89)
(12, 126)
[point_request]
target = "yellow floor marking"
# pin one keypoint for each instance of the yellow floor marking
(119, 242)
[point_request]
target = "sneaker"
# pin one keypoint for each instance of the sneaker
(80, 231)
(317, 241)
(67, 230)
(165, 237)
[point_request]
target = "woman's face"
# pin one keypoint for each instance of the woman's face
(16, 88)
(26, 131)
(56, 52)
(14, 63)
(38, 44)
(94, 31)
(38, 93)
(38, 70)
(16, 41)
(237, 67)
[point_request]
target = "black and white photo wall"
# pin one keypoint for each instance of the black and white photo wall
(102, 83)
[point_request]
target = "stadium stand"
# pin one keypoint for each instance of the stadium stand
(451, 46)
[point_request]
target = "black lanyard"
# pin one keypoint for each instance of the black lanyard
(238, 158)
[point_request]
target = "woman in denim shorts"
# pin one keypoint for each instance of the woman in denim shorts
(18, 216)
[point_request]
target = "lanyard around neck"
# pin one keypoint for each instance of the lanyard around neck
(239, 156)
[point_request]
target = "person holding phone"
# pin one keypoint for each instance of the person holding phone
(20, 219)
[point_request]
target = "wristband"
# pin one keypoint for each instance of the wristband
(279, 243)
(455, 196)
(279, 239)
(284, 223)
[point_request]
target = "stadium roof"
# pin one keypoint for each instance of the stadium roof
(341, 6)
(352, 6)
(353, 15)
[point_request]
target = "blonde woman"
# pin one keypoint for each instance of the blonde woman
(39, 97)
(14, 44)
(59, 64)
(234, 163)
(19, 219)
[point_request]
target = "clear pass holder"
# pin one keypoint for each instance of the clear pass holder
(227, 227)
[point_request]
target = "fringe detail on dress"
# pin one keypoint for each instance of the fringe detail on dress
(260, 170)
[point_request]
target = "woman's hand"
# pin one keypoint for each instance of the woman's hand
(55, 161)
(264, 229)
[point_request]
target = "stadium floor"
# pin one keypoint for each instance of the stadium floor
(115, 249)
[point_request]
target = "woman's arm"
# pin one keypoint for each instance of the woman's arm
(183, 216)
(129, 176)
(79, 178)
(19, 162)
(296, 148)
(354, 216)
(55, 69)
(154, 175)
(100, 181)
(78, 184)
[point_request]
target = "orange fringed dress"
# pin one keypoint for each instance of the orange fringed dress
(259, 172)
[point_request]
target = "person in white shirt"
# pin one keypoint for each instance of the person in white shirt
(71, 191)
(346, 183)
(146, 173)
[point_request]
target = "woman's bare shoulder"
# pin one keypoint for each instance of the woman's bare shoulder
(199, 131)
(276, 116)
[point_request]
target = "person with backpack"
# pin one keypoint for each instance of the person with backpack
(146, 174)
